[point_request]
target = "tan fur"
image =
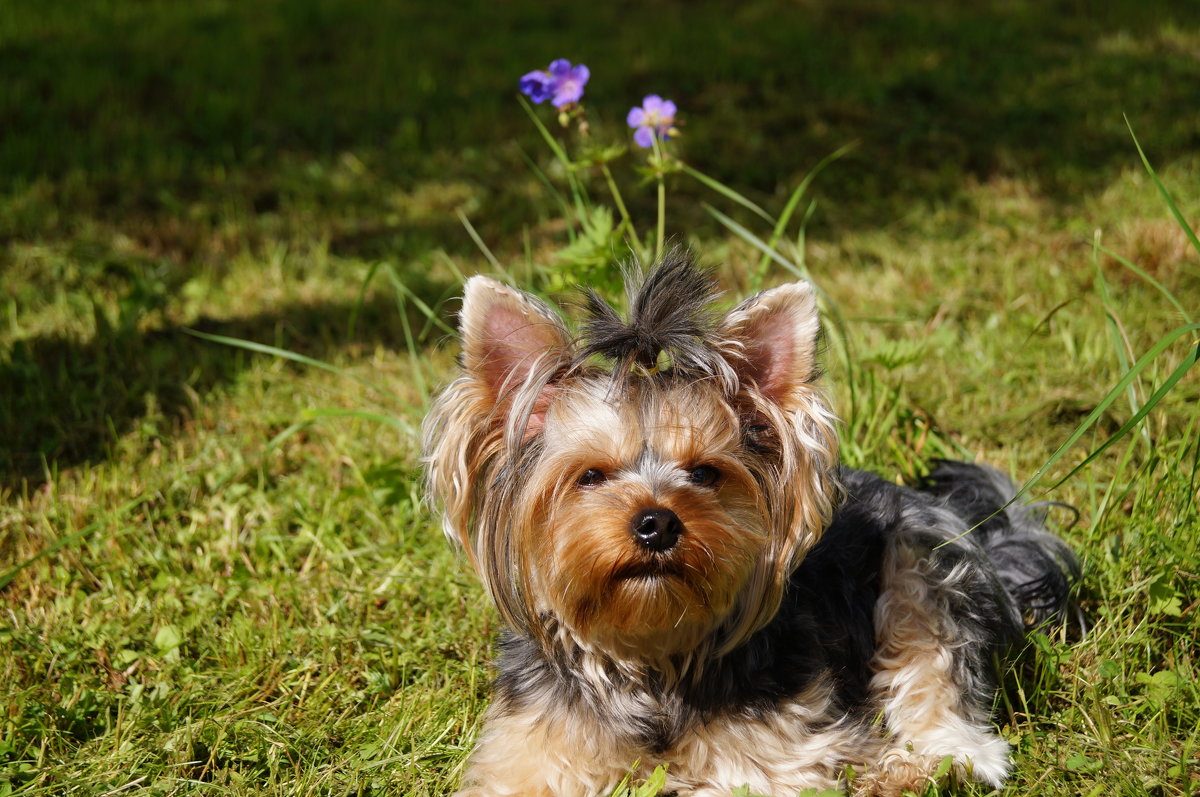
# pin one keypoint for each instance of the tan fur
(533, 753)
(586, 560)
(565, 755)
(778, 754)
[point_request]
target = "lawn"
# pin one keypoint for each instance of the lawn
(216, 572)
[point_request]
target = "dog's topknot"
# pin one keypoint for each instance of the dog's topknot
(670, 311)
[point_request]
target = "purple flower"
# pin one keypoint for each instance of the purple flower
(568, 82)
(656, 117)
(536, 85)
(561, 83)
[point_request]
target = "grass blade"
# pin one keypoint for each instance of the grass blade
(487, 253)
(1116, 329)
(362, 297)
(581, 203)
(262, 348)
(1112, 395)
(1170, 297)
(426, 310)
(555, 194)
(794, 199)
(754, 240)
(1162, 189)
(1142, 412)
(558, 151)
(726, 191)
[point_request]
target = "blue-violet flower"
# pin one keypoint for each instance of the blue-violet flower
(561, 83)
(655, 117)
(536, 86)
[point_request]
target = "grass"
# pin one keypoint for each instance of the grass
(233, 587)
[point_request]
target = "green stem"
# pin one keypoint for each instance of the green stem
(630, 232)
(662, 201)
(662, 218)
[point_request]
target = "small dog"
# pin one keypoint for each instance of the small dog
(688, 576)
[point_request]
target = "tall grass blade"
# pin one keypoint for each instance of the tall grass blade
(487, 253)
(1142, 412)
(1120, 340)
(422, 306)
(1112, 395)
(287, 433)
(559, 199)
(262, 348)
(831, 307)
(454, 269)
(752, 239)
(1170, 297)
(1162, 189)
(558, 151)
(581, 203)
(726, 191)
(630, 231)
(410, 343)
(794, 200)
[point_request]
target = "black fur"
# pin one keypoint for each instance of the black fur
(1035, 567)
(989, 577)
(669, 311)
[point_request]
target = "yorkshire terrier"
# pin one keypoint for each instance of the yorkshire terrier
(689, 578)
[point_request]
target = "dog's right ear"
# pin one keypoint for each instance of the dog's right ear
(507, 336)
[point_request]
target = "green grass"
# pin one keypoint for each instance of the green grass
(232, 585)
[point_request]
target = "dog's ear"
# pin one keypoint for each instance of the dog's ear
(507, 334)
(774, 336)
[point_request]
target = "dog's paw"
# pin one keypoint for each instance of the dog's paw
(903, 771)
(898, 773)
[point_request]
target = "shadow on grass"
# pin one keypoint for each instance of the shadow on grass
(149, 96)
(68, 401)
(170, 124)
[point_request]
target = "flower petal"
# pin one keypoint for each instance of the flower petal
(668, 110)
(567, 92)
(636, 117)
(581, 74)
(536, 85)
(652, 103)
(644, 137)
(560, 67)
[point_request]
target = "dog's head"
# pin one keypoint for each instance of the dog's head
(648, 485)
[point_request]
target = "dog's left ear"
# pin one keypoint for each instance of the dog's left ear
(774, 336)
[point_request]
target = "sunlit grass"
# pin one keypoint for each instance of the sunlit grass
(215, 570)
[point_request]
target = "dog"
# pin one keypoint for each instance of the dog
(689, 577)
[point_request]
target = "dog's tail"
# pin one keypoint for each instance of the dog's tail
(1036, 567)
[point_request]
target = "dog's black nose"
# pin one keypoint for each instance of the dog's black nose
(658, 529)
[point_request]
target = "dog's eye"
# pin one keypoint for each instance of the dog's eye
(704, 475)
(592, 477)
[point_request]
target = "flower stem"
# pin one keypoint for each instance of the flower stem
(616, 195)
(662, 199)
(662, 218)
